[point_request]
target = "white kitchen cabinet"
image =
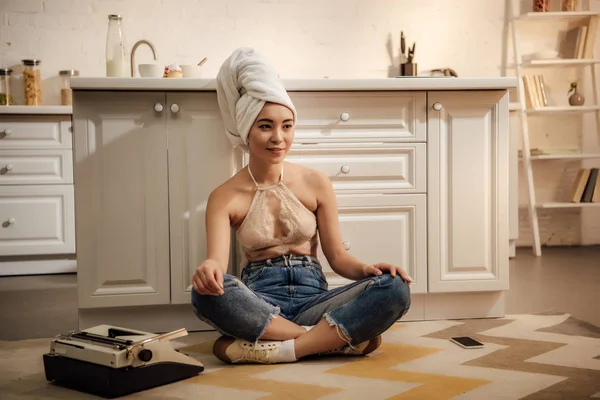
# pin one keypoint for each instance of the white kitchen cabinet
(372, 146)
(468, 191)
(450, 236)
(200, 159)
(145, 165)
(35, 132)
(390, 229)
(121, 192)
(367, 167)
(31, 167)
(37, 222)
(420, 176)
(361, 116)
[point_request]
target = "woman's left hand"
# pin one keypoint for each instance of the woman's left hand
(379, 269)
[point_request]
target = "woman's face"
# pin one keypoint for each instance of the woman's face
(272, 134)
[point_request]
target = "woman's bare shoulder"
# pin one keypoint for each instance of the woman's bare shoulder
(227, 194)
(312, 177)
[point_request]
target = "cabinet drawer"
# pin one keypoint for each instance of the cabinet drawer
(37, 220)
(36, 133)
(364, 116)
(36, 167)
(399, 168)
(384, 228)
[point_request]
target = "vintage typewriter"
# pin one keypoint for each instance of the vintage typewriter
(111, 361)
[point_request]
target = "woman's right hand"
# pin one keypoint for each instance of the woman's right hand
(208, 279)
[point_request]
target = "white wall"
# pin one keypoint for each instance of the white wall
(303, 38)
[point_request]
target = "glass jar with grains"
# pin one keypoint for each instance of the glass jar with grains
(541, 5)
(32, 82)
(5, 95)
(66, 93)
(569, 5)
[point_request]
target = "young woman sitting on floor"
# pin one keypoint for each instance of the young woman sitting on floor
(281, 310)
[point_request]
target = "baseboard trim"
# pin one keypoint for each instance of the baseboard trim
(512, 249)
(434, 306)
(37, 267)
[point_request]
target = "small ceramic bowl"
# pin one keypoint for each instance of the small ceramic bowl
(151, 70)
(191, 71)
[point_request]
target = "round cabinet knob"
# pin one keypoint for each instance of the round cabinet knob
(437, 106)
(158, 107)
(174, 108)
(345, 117)
(9, 167)
(347, 245)
(345, 169)
(145, 355)
(7, 132)
(11, 221)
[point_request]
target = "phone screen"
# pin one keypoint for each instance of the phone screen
(467, 341)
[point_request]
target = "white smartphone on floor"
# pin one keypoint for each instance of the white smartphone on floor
(466, 342)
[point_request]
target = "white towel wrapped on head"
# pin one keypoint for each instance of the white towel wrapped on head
(245, 82)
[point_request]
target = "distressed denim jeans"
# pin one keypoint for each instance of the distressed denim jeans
(295, 288)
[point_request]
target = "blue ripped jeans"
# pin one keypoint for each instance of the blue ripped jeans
(295, 287)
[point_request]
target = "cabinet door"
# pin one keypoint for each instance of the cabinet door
(200, 159)
(468, 191)
(121, 199)
(384, 228)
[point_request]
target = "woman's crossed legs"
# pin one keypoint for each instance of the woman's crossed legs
(279, 304)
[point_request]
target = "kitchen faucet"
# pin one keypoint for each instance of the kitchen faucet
(135, 46)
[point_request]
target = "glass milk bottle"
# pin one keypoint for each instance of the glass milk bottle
(116, 55)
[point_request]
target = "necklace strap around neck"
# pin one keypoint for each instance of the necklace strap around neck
(256, 183)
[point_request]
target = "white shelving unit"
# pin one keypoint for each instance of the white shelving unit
(560, 63)
(553, 15)
(578, 17)
(566, 156)
(567, 205)
(568, 109)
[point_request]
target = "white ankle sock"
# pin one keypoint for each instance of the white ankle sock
(287, 352)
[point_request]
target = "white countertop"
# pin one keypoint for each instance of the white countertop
(32, 110)
(408, 83)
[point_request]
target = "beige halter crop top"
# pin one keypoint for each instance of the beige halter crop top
(277, 223)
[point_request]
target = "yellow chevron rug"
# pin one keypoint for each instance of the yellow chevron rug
(524, 357)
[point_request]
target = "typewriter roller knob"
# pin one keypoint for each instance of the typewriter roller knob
(145, 355)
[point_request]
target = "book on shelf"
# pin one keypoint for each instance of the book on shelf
(590, 41)
(586, 188)
(596, 194)
(573, 47)
(535, 91)
(579, 41)
(530, 98)
(540, 85)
